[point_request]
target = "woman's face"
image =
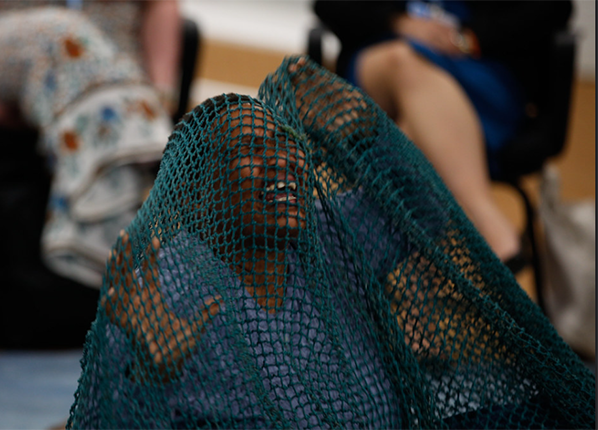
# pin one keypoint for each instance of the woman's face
(266, 177)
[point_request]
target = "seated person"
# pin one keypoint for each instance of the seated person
(85, 107)
(457, 77)
(308, 272)
(96, 85)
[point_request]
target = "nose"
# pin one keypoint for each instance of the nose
(285, 166)
(283, 158)
(278, 159)
(277, 163)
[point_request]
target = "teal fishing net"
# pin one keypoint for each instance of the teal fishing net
(298, 263)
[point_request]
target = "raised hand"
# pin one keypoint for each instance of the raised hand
(138, 307)
(326, 103)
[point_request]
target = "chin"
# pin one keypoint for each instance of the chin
(293, 222)
(283, 229)
(289, 230)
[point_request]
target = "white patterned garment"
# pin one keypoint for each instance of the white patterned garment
(102, 129)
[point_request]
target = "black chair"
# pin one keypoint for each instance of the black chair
(189, 60)
(39, 308)
(541, 137)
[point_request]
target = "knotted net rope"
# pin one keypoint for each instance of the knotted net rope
(298, 263)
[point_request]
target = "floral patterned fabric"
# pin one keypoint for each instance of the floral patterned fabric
(120, 21)
(102, 129)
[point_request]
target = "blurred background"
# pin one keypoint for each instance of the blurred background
(241, 42)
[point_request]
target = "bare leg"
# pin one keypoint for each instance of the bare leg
(432, 109)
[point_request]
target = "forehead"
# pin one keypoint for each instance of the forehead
(250, 123)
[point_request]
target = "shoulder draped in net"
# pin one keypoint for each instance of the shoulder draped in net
(299, 263)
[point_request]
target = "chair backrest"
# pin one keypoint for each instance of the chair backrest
(314, 42)
(545, 135)
(24, 189)
(189, 56)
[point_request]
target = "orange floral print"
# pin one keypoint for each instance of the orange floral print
(71, 140)
(73, 48)
(148, 111)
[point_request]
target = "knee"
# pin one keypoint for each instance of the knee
(399, 55)
(392, 62)
(402, 62)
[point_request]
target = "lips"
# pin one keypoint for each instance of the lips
(281, 192)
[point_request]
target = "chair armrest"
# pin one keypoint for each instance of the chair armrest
(314, 42)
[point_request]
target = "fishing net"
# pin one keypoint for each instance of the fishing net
(298, 263)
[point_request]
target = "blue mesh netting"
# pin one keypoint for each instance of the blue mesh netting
(299, 263)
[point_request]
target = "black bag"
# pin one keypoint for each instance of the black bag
(38, 308)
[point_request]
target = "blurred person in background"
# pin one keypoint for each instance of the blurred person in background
(96, 81)
(456, 77)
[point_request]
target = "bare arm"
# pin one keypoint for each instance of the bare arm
(161, 41)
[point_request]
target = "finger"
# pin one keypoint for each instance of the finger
(211, 308)
(144, 298)
(113, 273)
(156, 244)
(129, 280)
(150, 280)
(123, 297)
(136, 301)
(145, 326)
(296, 66)
(122, 241)
(127, 270)
(128, 251)
(153, 258)
(149, 266)
(107, 302)
(111, 263)
(120, 257)
(152, 251)
(113, 305)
